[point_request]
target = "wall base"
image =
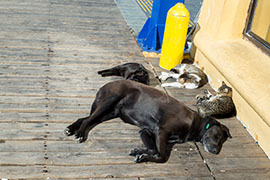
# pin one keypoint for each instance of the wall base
(250, 119)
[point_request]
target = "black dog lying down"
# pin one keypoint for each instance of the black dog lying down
(131, 71)
(163, 120)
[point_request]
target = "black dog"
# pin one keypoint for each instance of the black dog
(163, 120)
(131, 71)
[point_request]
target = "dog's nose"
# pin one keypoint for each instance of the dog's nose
(215, 151)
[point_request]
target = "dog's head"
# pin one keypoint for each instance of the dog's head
(139, 74)
(214, 137)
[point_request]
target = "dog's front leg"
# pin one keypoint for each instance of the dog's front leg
(163, 150)
(148, 139)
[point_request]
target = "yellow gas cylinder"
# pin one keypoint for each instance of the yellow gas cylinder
(174, 36)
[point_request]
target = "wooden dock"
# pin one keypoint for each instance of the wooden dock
(50, 51)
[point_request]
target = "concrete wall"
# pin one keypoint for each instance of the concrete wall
(227, 56)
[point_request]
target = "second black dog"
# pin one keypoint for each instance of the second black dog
(131, 71)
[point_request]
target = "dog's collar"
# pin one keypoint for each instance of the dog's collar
(207, 123)
(207, 126)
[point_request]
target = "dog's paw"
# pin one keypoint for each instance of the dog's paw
(70, 130)
(133, 152)
(79, 138)
(141, 158)
(67, 132)
(136, 151)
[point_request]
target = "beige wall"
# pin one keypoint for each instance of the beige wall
(226, 56)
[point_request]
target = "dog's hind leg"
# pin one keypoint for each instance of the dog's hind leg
(148, 139)
(104, 111)
(74, 127)
(89, 123)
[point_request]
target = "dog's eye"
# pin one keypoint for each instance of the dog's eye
(217, 136)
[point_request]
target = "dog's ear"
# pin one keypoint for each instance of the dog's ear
(139, 73)
(226, 131)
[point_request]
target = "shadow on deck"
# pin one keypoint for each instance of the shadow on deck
(50, 53)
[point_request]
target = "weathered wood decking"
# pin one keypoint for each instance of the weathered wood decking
(50, 51)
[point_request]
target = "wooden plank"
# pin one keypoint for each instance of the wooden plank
(247, 173)
(21, 146)
(59, 48)
(35, 67)
(41, 134)
(157, 178)
(139, 171)
(21, 158)
(115, 124)
(16, 101)
(221, 165)
(130, 170)
(28, 107)
(38, 117)
(96, 145)
(25, 172)
(77, 62)
(108, 157)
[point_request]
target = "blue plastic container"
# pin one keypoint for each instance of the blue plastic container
(151, 36)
